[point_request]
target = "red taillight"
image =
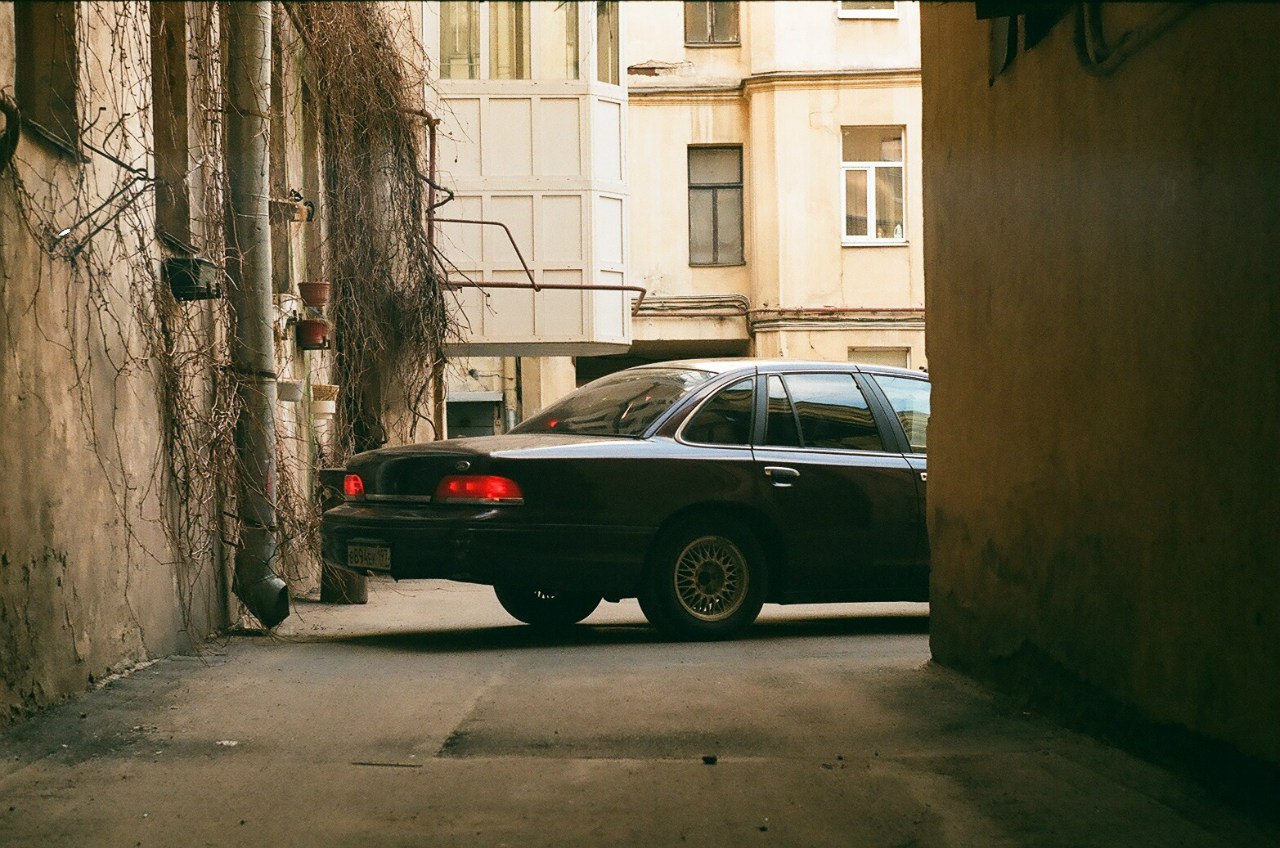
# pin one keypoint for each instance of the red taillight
(478, 489)
(353, 486)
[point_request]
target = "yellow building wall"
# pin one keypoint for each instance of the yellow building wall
(1105, 443)
(798, 75)
(88, 580)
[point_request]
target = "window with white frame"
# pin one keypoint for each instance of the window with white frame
(607, 41)
(508, 40)
(524, 40)
(872, 177)
(715, 206)
(459, 40)
(710, 23)
(867, 9)
(556, 29)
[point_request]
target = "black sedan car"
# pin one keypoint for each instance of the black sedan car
(704, 488)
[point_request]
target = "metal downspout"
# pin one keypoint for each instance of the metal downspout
(439, 392)
(247, 30)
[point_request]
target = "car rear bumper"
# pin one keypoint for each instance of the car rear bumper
(486, 546)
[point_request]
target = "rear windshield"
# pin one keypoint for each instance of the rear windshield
(621, 404)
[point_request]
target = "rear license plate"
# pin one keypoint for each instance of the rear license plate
(374, 557)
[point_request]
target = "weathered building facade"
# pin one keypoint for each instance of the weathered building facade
(755, 169)
(168, 185)
(775, 180)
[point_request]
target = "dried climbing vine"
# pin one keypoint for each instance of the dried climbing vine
(91, 216)
(93, 222)
(389, 309)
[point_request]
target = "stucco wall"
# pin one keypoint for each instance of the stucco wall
(799, 74)
(87, 581)
(1103, 340)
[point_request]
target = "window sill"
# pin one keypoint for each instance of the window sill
(54, 141)
(713, 44)
(874, 243)
(718, 264)
(869, 15)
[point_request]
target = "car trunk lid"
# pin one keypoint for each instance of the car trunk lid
(412, 472)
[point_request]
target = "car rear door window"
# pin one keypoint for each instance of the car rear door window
(621, 404)
(725, 419)
(832, 412)
(910, 401)
(780, 418)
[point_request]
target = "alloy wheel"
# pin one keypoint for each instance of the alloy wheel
(711, 578)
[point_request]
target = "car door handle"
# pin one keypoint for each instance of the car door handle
(780, 476)
(924, 476)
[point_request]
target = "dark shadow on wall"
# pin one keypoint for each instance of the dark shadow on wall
(1028, 679)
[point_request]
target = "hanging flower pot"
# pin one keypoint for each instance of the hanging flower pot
(313, 334)
(289, 391)
(314, 293)
(324, 400)
(191, 277)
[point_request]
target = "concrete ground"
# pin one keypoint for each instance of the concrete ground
(429, 718)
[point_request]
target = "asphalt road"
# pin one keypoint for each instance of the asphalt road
(429, 718)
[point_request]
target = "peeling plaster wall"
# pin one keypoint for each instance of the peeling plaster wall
(1104, 342)
(87, 584)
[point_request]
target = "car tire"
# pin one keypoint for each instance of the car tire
(546, 609)
(705, 580)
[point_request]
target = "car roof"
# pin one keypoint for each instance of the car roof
(723, 365)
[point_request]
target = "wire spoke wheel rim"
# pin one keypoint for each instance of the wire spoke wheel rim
(711, 578)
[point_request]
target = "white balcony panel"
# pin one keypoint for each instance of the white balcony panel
(608, 230)
(606, 140)
(547, 163)
(462, 243)
(561, 314)
(547, 323)
(612, 310)
(559, 121)
(460, 140)
(517, 213)
(508, 313)
(507, 137)
(469, 305)
(560, 229)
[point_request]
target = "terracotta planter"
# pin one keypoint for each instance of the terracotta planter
(314, 293)
(313, 334)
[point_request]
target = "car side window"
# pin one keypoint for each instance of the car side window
(780, 421)
(832, 412)
(725, 419)
(910, 401)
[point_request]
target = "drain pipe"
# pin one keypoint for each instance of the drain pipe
(246, 28)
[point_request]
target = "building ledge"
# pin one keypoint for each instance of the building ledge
(659, 84)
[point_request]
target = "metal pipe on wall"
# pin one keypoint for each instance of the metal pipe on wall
(439, 391)
(247, 30)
